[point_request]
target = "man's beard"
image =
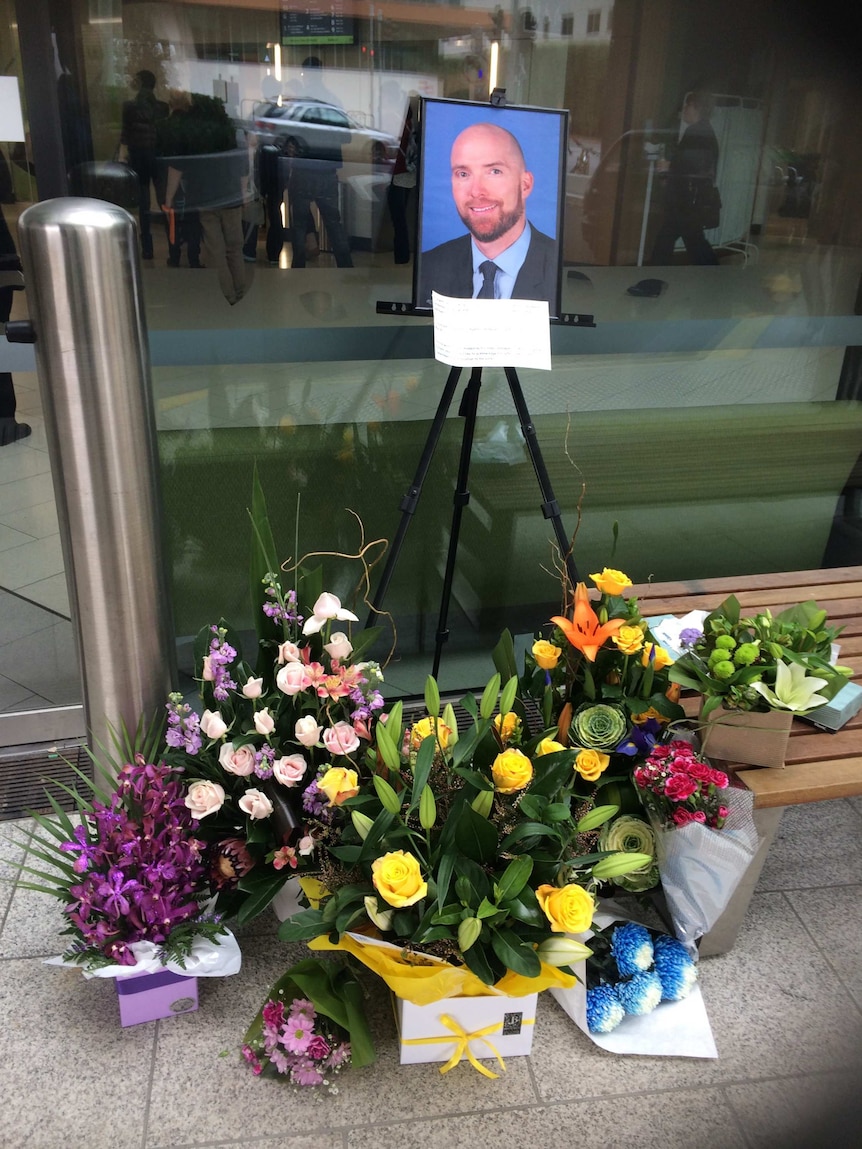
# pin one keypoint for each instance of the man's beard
(493, 230)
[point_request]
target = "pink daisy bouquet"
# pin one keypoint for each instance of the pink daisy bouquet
(310, 1027)
(678, 786)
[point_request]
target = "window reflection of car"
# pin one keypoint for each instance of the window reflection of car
(317, 130)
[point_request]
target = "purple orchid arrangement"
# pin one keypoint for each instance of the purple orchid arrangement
(132, 870)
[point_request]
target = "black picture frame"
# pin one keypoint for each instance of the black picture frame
(443, 260)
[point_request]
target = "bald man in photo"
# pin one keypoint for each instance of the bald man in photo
(502, 256)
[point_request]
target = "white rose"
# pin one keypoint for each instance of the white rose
(339, 646)
(264, 723)
(253, 688)
(307, 731)
(204, 798)
(255, 804)
(239, 762)
(212, 724)
(291, 678)
(340, 739)
(289, 652)
(290, 769)
(305, 846)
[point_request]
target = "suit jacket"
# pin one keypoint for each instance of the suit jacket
(448, 270)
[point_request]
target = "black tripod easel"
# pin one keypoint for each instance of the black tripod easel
(468, 409)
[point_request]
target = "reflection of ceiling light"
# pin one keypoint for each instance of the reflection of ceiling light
(103, 20)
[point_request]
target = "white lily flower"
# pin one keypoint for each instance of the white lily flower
(794, 689)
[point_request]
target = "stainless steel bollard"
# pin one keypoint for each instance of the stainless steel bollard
(86, 306)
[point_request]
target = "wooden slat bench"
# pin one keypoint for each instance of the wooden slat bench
(820, 765)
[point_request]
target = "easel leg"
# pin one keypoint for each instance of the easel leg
(550, 506)
(468, 408)
(411, 498)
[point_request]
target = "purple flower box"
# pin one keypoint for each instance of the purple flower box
(148, 996)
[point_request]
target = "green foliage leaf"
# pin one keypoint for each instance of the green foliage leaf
(422, 768)
(488, 703)
(504, 657)
(515, 954)
(303, 926)
(432, 696)
(514, 878)
(507, 698)
(475, 836)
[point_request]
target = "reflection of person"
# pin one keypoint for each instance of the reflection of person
(214, 171)
(182, 224)
(504, 256)
(687, 176)
(403, 182)
(10, 429)
(314, 179)
(138, 138)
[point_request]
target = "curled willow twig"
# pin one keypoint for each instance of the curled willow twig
(363, 584)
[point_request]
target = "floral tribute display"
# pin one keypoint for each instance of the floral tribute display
(680, 787)
(603, 680)
(310, 1027)
(632, 970)
(131, 874)
(276, 740)
(762, 662)
(476, 849)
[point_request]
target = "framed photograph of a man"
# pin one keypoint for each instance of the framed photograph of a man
(491, 185)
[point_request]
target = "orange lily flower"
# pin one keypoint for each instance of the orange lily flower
(583, 630)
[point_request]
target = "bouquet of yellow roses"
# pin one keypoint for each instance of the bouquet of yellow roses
(473, 853)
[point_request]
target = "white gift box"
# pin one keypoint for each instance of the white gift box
(488, 1026)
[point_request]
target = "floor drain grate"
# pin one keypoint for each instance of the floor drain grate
(26, 772)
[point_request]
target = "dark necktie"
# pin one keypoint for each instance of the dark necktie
(489, 271)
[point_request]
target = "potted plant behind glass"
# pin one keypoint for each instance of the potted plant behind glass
(755, 673)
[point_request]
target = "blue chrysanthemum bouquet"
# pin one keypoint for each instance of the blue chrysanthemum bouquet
(632, 971)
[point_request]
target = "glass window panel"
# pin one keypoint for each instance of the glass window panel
(712, 411)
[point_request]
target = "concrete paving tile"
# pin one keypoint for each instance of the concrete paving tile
(833, 917)
(33, 924)
(38, 521)
(20, 618)
(46, 664)
(31, 561)
(26, 491)
(799, 1112)
(774, 1007)
(51, 592)
(72, 1076)
(664, 1121)
(207, 1046)
(816, 845)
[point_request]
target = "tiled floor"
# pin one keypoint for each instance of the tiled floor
(785, 1007)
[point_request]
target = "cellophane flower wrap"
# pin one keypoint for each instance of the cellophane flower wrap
(704, 831)
(130, 871)
(472, 853)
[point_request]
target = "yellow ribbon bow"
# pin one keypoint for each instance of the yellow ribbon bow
(462, 1045)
